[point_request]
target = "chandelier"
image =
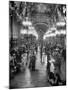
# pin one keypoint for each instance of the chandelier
(26, 22)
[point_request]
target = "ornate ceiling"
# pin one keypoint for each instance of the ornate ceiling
(38, 12)
(42, 15)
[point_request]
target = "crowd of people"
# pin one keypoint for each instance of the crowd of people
(20, 59)
(56, 67)
(54, 58)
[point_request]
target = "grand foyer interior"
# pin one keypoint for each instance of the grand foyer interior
(36, 31)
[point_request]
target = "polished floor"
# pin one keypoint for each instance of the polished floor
(29, 79)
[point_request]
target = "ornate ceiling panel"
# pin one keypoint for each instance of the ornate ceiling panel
(41, 15)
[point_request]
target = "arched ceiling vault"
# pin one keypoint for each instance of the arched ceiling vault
(41, 28)
(42, 15)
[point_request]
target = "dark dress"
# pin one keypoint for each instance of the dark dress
(32, 62)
